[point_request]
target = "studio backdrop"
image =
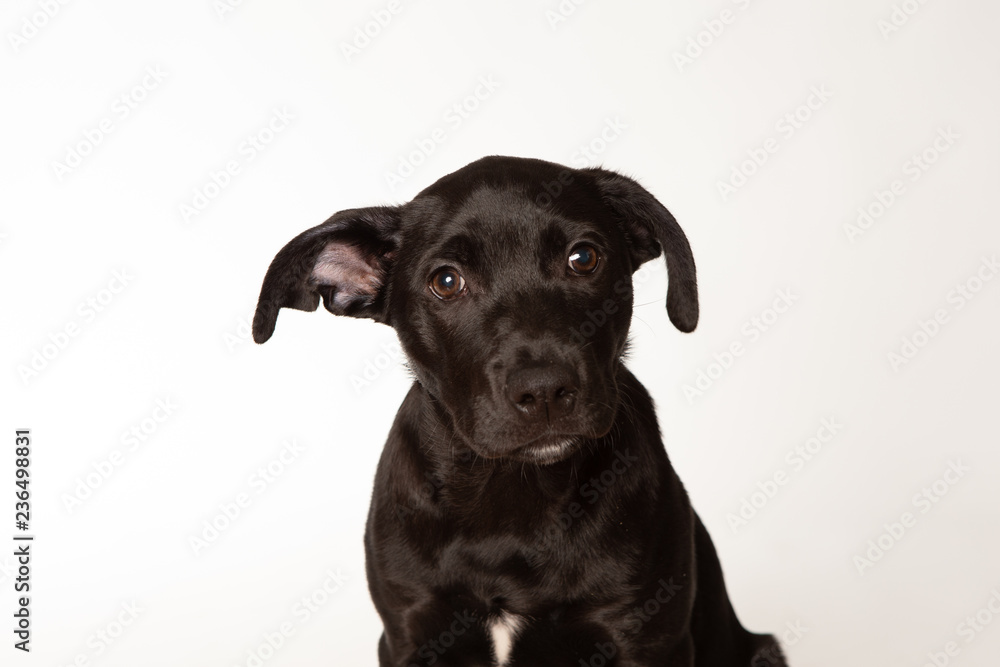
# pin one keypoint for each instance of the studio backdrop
(174, 494)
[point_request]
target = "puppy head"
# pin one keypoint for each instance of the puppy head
(509, 283)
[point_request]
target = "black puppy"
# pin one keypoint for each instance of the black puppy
(524, 511)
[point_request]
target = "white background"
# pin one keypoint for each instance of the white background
(177, 330)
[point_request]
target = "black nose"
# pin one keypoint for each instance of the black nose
(542, 392)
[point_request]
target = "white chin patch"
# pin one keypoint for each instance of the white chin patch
(552, 451)
(503, 632)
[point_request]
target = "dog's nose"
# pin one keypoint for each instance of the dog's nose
(542, 392)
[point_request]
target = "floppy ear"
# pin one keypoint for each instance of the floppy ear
(650, 229)
(346, 261)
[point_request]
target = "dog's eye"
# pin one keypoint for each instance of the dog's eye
(583, 260)
(447, 283)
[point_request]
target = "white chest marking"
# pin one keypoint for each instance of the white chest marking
(503, 632)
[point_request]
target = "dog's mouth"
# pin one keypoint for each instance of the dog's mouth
(547, 449)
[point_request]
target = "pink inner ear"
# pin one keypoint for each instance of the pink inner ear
(345, 267)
